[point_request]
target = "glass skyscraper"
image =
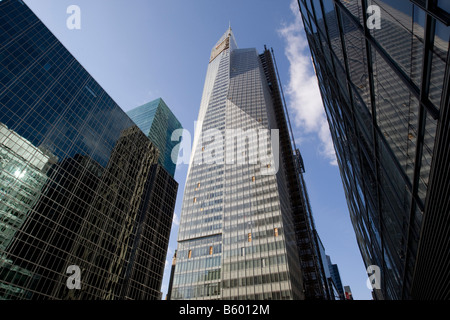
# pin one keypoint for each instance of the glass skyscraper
(245, 213)
(383, 73)
(80, 183)
(336, 278)
(158, 122)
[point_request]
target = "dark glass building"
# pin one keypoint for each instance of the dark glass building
(383, 74)
(80, 183)
(172, 272)
(336, 278)
(246, 229)
(158, 122)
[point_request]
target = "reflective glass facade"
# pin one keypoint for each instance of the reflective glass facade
(80, 182)
(385, 93)
(336, 278)
(157, 121)
(237, 236)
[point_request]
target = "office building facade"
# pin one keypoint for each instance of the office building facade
(85, 210)
(158, 122)
(238, 229)
(336, 278)
(172, 273)
(383, 74)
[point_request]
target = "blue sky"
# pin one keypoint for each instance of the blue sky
(141, 50)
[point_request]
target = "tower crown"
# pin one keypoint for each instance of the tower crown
(227, 41)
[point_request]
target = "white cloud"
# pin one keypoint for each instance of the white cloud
(176, 220)
(302, 92)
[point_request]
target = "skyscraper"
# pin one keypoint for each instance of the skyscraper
(245, 212)
(383, 74)
(158, 122)
(172, 272)
(81, 187)
(336, 278)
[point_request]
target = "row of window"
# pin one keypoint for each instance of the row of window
(258, 263)
(274, 278)
(182, 279)
(254, 248)
(202, 263)
(85, 207)
(196, 291)
(255, 235)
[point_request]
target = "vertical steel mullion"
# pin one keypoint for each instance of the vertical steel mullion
(370, 74)
(352, 103)
(314, 238)
(436, 12)
(376, 148)
(306, 14)
(381, 137)
(319, 35)
(434, 112)
(327, 34)
(413, 88)
(430, 25)
(438, 183)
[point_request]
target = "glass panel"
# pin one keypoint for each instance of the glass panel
(355, 9)
(319, 17)
(395, 205)
(396, 37)
(72, 163)
(417, 44)
(418, 23)
(364, 122)
(304, 13)
(357, 60)
(444, 5)
(439, 59)
(427, 155)
(333, 30)
(341, 78)
(397, 112)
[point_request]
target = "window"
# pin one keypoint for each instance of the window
(90, 91)
(189, 254)
(253, 178)
(211, 250)
(275, 231)
(195, 199)
(249, 237)
(47, 66)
